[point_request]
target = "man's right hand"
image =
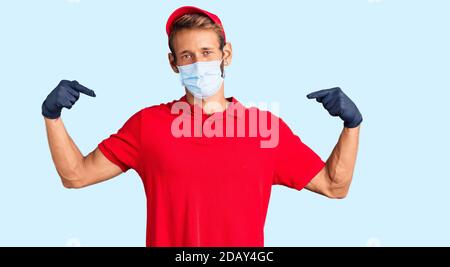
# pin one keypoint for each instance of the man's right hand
(64, 95)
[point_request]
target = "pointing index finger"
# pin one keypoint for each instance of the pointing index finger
(82, 89)
(320, 93)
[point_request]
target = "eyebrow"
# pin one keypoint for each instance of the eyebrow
(203, 49)
(185, 51)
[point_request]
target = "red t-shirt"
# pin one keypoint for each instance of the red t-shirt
(203, 189)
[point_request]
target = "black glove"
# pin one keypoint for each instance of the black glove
(338, 104)
(64, 95)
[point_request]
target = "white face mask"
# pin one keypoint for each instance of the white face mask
(202, 79)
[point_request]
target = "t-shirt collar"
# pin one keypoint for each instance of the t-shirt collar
(232, 110)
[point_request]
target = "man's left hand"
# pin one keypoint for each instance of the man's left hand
(338, 104)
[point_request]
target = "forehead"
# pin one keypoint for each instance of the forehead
(195, 39)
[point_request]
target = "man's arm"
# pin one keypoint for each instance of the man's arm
(335, 178)
(75, 170)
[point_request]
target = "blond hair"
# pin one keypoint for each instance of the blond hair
(195, 21)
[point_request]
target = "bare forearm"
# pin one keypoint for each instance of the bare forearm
(65, 154)
(341, 163)
(334, 180)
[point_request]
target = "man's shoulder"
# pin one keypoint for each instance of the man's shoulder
(157, 109)
(262, 112)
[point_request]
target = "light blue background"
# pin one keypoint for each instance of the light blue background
(390, 56)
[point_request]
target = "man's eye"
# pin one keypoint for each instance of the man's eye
(206, 53)
(186, 56)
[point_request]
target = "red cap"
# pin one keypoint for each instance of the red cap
(191, 10)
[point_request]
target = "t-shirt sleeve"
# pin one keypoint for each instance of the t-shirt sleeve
(123, 148)
(295, 163)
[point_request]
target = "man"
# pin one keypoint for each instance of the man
(207, 181)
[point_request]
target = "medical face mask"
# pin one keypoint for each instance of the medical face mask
(202, 79)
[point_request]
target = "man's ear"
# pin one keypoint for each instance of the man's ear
(172, 63)
(227, 54)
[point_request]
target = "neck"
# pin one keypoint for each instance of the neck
(212, 104)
